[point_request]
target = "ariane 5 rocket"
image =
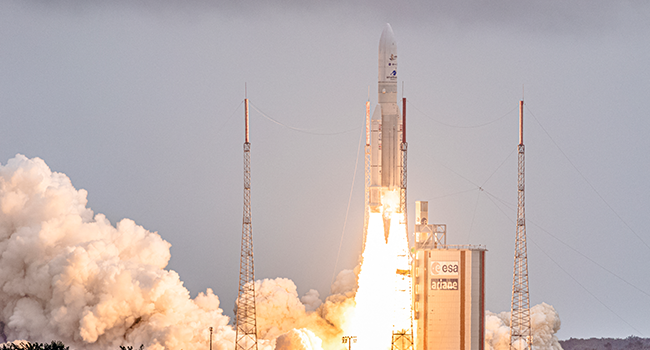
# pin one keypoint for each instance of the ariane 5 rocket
(386, 132)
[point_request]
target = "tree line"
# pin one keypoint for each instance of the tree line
(54, 345)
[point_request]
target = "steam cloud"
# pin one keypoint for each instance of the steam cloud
(545, 322)
(67, 274)
(70, 275)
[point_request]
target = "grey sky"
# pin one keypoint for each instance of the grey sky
(139, 103)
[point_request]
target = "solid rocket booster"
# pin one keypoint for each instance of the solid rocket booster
(386, 126)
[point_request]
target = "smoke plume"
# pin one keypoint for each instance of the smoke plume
(282, 317)
(545, 322)
(67, 274)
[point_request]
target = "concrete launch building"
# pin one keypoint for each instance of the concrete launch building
(449, 289)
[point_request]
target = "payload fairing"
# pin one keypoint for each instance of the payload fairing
(386, 131)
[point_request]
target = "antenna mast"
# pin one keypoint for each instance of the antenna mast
(403, 338)
(520, 327)
(246, 333)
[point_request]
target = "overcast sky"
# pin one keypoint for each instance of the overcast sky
(139, 103)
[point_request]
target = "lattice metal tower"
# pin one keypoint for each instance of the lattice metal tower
(246, 333)
(520, 327)
(403, 338)
(403, 148)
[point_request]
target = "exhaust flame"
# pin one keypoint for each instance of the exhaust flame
(370, 324)
(398, 245)
(384, 281)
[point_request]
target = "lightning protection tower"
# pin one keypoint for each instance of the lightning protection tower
(520, 328)
(404, 148)
(246, 333)
(403, 338)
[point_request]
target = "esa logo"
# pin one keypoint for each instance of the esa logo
(448, 268)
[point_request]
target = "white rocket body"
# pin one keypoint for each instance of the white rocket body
(386, 128)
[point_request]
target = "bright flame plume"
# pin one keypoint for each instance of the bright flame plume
(383, 299)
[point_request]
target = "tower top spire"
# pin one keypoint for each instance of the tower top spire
(520, 326)
(521, 122)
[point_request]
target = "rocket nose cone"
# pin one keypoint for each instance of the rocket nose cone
(388, 28)
(387, 55)
(387, 36)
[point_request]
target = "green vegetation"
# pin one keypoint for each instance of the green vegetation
(630, 343)
(54, 345)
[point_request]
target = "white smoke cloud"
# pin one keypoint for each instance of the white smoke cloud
(299, 339)
(346, 282)
(278, 307)
(282, 317)
(69, 275)
(545, 323)
(311, 300)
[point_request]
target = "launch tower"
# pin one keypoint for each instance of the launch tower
(403, 337)
(520, 328)
(246, 332)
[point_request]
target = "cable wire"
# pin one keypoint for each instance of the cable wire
(461, 126)
(347, 211)
(492, 197)
(222, 127)
(587, 181)
(471, 225)
(568, 274)
(510, 206)
(499, 167)
(299, 129)
(455, 193)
